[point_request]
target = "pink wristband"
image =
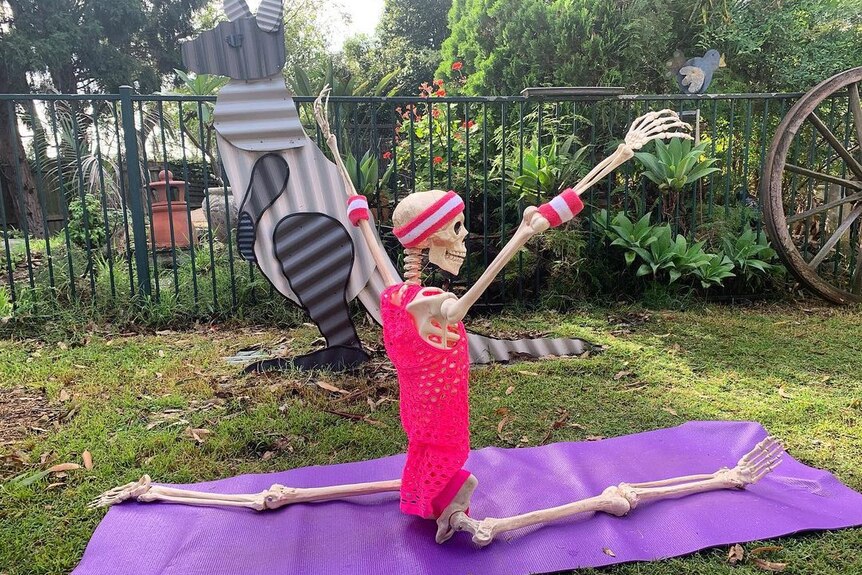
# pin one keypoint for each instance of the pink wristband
(562, 208)
(357, 209)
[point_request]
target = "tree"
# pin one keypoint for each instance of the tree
(507, 45)
(787, 45)
(74, 46)
(407, 43)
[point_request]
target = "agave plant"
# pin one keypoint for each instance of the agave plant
(750, 253)
(677, 164)
(547, 170)
(303, 85)
(717, 269)
(671, 168)
(365, 173)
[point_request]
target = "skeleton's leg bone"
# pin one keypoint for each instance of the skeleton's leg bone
(620, 499)
(272, 498)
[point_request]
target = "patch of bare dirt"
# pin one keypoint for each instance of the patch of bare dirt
(24, 411)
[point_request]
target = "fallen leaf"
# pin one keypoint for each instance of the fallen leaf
(63, 345)
(161, 353)
(198, 434)
(267, 455)
(670, 410)
(763, 563)
(768, 565)
(79, 366)
(65, 395)
(60, 467)
(329, 387)
(621, 374)
(735, 554)
(510, 389)
(607, 551)
(783, 394)
(367, 419)
(54, 485)
(87, 457)
(503, 423)
(562, 417)
(533, 373)
(595, 437)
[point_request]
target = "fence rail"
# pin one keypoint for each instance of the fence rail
(77, 218)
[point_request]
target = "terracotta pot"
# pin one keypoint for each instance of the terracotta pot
(162, 219)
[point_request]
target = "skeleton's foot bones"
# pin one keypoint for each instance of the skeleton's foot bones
(276, 496)
(459, 505)
(620, 499)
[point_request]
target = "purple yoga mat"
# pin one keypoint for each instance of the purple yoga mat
(369, 536)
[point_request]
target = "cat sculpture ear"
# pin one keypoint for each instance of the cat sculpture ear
(236, 9)
(269, 15)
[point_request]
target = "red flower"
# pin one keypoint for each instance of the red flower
(438, 83)
(441, 92)
(435, 112)
(438, 160)
(468, 124)
(457, 65)
(387, 155)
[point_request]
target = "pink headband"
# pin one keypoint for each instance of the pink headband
(430, 220)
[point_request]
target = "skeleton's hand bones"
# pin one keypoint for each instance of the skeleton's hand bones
(321, 103)
(656, 126)
(429, 308)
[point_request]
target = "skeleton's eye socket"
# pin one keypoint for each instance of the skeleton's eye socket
(457, 227)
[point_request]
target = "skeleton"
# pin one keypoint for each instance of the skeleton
(436, 317)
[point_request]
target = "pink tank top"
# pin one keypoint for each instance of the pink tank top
(433, 388)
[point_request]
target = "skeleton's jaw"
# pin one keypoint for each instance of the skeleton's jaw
(448, 260)
(456, 257)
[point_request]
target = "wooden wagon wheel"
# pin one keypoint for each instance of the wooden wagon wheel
(812, 189)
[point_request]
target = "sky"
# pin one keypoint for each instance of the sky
(363, 14)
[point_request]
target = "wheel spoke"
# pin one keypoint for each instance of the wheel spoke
(824, 207)
(856, 108)
(832, 241)
(856, 282)
(839, 148)
(823, 177)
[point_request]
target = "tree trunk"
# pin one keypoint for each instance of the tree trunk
(15, 168)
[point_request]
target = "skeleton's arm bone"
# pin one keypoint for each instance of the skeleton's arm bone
(533, 223)
(320, 114)
(650, 126)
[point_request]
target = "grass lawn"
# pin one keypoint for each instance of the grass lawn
(129, 400)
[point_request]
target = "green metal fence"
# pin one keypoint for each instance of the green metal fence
(87, 162)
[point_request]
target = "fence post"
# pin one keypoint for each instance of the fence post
(139, 228)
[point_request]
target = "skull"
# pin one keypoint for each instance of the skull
(446, 246)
